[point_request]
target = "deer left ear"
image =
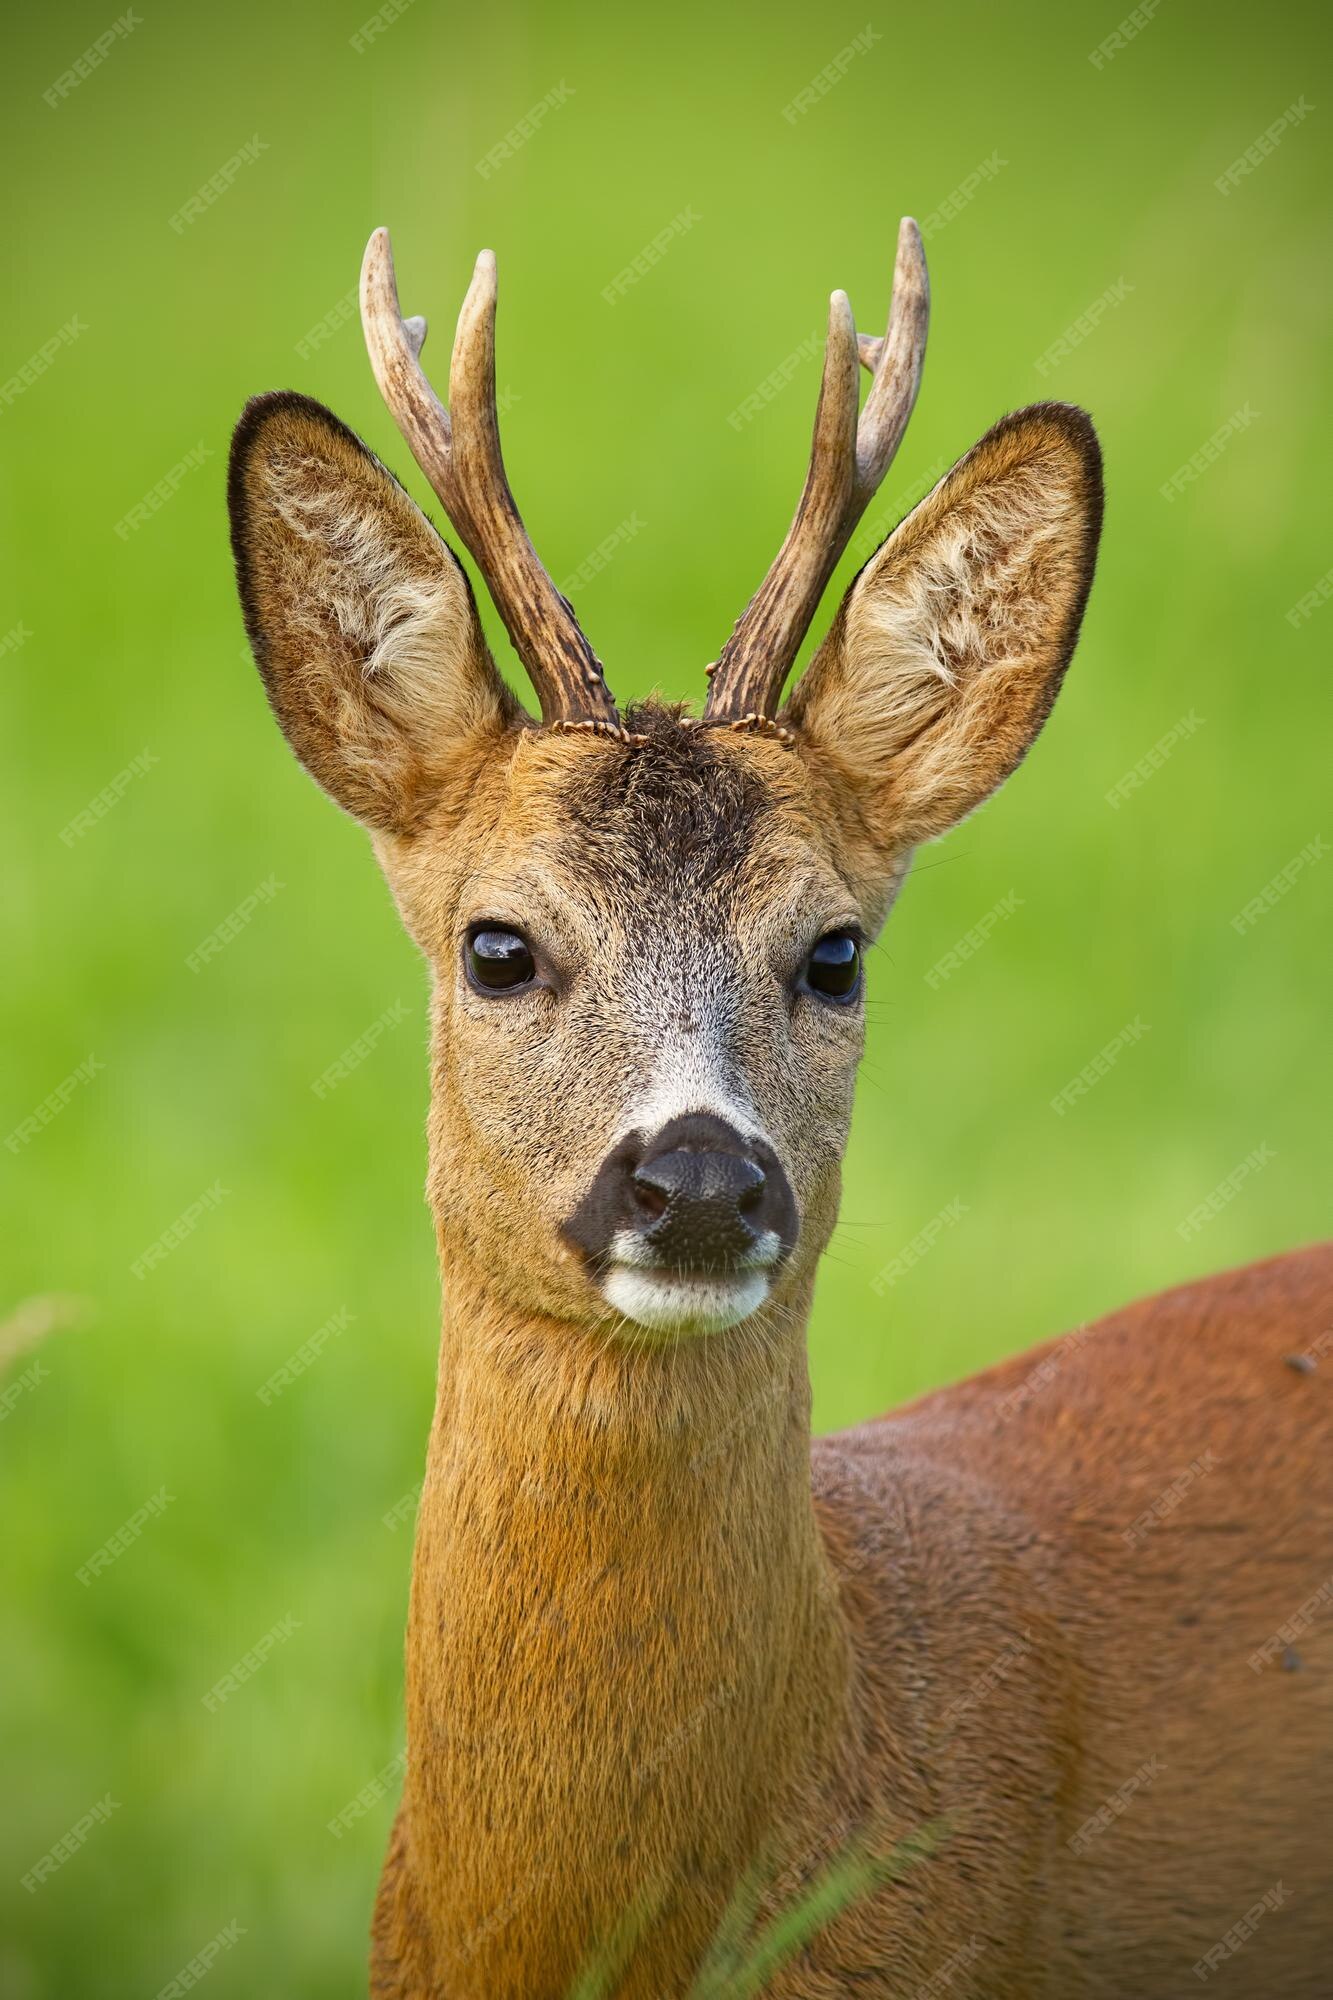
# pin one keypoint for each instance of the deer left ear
(361, 621)
(949, 648)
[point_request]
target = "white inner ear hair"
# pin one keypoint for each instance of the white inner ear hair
(968, 596)
(409, 623)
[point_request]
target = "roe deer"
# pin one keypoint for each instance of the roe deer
(1026, 1661)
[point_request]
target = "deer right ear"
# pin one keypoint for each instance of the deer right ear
(951, 644)
(361, 621)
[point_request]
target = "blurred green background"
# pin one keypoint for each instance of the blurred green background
(1074, 199)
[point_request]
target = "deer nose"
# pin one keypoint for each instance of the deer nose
(700, 1207)
(699, 1198)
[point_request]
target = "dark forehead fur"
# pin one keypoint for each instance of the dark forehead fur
(672, 808)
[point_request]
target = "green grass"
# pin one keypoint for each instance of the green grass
(748, 1951)
(134, 644)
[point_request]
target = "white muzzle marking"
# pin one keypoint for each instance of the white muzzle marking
(666, 1301)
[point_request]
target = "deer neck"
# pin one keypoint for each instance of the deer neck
(624, 1657)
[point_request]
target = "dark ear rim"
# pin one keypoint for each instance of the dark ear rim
(1076, 427)
(1079, 432)
(259, 412)
(393, 789)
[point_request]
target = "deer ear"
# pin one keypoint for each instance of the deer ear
(950, 646)
(361, 621)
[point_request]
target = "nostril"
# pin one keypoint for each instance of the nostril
(698, 1188)
(649, 1200)
(750, 1198)
(695, 1197)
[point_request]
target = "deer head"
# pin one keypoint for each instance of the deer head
(646, 934)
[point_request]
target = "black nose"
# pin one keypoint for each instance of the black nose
(698, 1196)
(700, 1205)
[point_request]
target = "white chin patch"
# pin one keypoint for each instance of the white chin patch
(667, 1304)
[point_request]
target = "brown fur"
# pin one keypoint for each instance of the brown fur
(663, 1654)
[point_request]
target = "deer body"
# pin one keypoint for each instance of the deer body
(965, 1700)
(674, 1674)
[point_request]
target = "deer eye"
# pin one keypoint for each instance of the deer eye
(498, 960)
(833, 969)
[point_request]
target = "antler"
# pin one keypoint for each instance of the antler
(458, 449)
(848, 459)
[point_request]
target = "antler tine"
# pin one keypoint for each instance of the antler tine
(848, 460)
(740, 690)
(394, 345)
(895, 362)
(459, 451)
(476, 444)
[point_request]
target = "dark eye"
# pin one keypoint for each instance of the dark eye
(833, 969)
(499, 960)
